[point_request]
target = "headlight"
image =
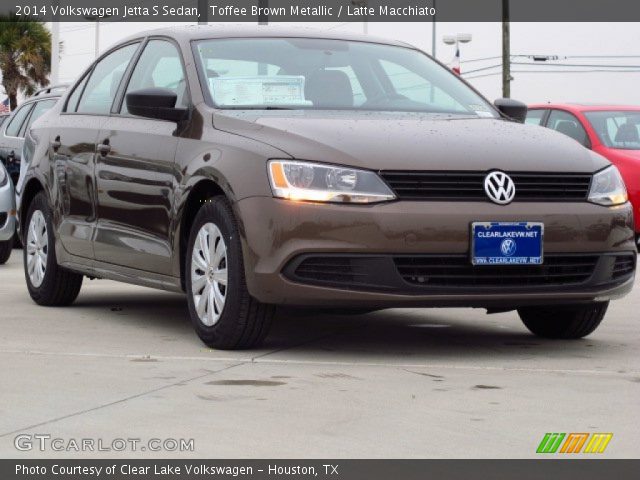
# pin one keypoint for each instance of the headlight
(316, 182)
(3, 176)
(607, 188)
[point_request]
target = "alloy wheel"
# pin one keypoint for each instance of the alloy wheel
(209, 274)
(37, 248)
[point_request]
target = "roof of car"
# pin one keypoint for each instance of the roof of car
(586, 107)
(53, 89)
(200, 32)
(42, 96)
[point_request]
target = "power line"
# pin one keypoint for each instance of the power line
(584, 65)
(554, 71)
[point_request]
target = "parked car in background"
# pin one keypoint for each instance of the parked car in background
(610, 130)
(12, 130)
(7, 215)
(254, 167)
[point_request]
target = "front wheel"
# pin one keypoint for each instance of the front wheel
(49, 284)
(222, 311)
(565, 322)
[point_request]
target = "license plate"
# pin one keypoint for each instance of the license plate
(506, 243)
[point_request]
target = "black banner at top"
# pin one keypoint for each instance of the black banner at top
(275, 11)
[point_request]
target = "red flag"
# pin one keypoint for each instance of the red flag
(4, 106)
(455, 63)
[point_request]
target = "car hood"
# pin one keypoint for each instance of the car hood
(411, 141)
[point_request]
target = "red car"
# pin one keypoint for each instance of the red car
(610, 130)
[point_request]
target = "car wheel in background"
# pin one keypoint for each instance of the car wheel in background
(16, 241)
(5, 250)
(567, 322)
(48, 283)
(223, 313)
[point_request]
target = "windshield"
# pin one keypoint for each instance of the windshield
(319, 74)
(617, 129)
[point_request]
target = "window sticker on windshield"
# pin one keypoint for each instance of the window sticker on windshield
(280, 90)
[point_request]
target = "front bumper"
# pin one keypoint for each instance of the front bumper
(7, 211)
(277, 233)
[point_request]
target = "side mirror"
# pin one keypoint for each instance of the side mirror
(512, 108)
(158, 103)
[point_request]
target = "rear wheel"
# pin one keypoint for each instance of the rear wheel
(5, 250)
(223, 313)
(49, 284)
(567, 322)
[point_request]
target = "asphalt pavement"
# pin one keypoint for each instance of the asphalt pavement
(124, 363)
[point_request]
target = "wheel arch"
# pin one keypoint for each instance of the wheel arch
(31, 189)
(202, 190)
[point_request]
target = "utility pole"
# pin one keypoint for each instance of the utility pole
(506, 51)
(433, 33)
(203, 10)
(262, 18)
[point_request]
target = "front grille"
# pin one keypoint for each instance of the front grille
(456, 271)
(420, 274)
(469, 186)
(3, 219)
(623, 266)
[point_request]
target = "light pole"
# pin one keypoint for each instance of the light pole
(55, 52)
(456, 40)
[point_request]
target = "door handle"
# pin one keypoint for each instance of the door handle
(56, 144)
(104, 148)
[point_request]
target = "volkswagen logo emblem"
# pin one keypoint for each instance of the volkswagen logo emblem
(508, 247)
(499, 187)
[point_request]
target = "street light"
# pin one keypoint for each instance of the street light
(456, 40)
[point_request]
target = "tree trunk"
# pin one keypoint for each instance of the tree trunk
(13, 101)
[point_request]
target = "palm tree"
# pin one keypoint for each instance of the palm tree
(25, 56)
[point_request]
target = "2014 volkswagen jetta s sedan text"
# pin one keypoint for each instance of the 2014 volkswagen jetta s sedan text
(252, 168)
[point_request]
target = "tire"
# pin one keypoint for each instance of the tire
(233, 320)
(565, 322)
(16, 241)
(54, 286)
(5, 250)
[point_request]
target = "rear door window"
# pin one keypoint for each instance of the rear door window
(13, 129)
(103, 84)
(40, 109)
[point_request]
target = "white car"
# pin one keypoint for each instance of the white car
(7, 215)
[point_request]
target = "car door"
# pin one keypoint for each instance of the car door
(73, 149)
(135, 170)
(12, 140)
(568, 124)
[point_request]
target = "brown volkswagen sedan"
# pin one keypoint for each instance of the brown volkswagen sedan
(256, 167)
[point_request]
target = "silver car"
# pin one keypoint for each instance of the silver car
(7, 215)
